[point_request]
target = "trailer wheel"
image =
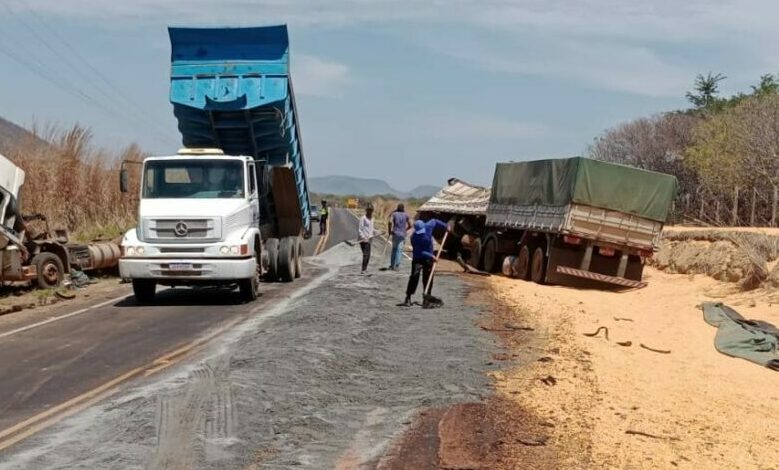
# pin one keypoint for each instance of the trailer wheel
(490, 258)
(298, 257)
(287, 259)
(50, 270)
(144, 290)
(475, 259)
(538, 266)
(522, 264)
(272, 249)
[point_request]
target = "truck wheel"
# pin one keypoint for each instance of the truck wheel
(490, 255)
(538, 266)
(250, 287)
(144, 290)
(475, 259)
(50, 270)
(272, 248)
(287, 259)
(298, 257)
(522, 264)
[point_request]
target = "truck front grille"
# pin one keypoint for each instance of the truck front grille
(196, 230)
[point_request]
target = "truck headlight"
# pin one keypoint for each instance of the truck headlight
(133, 250)
(224, 250)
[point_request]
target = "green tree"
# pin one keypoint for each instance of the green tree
(768, 85)
(706, 91)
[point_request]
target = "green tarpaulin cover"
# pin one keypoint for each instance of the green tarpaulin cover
(753, 340)
(559, 182)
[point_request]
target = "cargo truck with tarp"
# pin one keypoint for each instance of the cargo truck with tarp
(566, 220)
(233, 204)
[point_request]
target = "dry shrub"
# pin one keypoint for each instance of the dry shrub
(76, 185)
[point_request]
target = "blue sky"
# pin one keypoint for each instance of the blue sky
(410, 91)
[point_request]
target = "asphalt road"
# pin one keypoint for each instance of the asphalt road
(52, 367)
(325, 375)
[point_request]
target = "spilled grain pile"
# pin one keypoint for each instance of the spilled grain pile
(745, 257)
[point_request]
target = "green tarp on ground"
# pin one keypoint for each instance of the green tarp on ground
(559, 182)
(753, 340)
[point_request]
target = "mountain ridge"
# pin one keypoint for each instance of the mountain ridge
(341, 185)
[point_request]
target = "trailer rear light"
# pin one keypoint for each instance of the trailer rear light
(572, 240)
(605, 251)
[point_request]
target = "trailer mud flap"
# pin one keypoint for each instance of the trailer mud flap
(619, 281)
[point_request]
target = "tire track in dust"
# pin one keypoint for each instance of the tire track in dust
(181, 418)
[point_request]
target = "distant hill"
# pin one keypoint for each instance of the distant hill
(353, 186)
(12, 135)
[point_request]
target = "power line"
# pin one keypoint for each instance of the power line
(43, 70)
(116, 91)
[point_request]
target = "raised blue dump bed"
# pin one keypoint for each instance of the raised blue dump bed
(231, 89)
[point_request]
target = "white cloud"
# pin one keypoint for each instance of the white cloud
(315, 76)
(619, 45)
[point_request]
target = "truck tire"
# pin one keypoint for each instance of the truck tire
(298, 257)
(250, 287)
(475, 258)
(490, 255)
(538, 266)
(272, 249)
(50, 270)
(144, 290)
(287, 259)
(522, 264)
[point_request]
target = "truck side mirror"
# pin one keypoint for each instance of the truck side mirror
(124, 180)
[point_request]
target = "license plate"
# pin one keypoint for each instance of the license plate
(180, 266)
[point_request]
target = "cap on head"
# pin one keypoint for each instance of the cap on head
(419, 227)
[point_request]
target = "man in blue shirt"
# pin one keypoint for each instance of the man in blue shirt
(423, 257)
(399, 224)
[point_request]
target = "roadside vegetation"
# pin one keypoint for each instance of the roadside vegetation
(74, 183)
(723, 150)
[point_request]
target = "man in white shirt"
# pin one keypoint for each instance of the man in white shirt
(366, 232)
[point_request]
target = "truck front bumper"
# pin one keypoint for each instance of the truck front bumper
(187, 269)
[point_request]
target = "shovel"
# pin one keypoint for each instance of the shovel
(432, 271)
(355, 242)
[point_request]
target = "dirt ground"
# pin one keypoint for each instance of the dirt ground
(619, 406)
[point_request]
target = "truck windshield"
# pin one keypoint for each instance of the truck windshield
(206, 179)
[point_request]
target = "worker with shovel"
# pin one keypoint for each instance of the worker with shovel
(423, 261)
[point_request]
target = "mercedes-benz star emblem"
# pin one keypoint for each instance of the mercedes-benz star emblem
(181, 229)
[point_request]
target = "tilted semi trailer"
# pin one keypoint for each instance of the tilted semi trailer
(563, 221)
(233, 205)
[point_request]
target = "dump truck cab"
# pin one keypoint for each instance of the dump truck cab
(198, 222)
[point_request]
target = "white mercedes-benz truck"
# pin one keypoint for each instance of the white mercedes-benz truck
(233, 205)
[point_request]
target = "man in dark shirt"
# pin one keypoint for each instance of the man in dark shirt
(423, 256)
(324, 212)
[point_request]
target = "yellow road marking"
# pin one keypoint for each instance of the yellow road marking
(320, 246)
(45, 419)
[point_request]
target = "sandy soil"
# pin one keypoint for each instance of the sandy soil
(698, 408)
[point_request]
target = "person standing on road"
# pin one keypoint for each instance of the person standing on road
(324, 212)
(399, 225)
(423, 257)
(365, 233)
